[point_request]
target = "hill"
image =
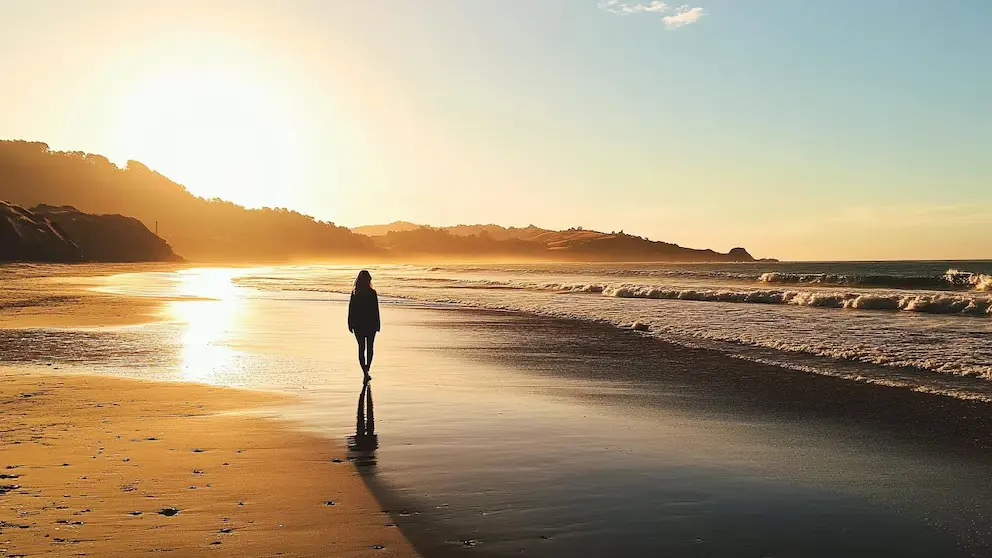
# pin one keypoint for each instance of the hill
(382, 230)
(434, 242)
(576, 244)
(67, 235)
(32, 174)
(108, 238)
(497, 232)
(27, 237)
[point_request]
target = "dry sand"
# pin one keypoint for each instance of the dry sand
(90, 463)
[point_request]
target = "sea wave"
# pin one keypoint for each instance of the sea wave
(957, 303)
(951, 279)
(926, 303)
(677, 334)
(977, 281)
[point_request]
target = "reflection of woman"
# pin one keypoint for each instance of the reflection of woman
(362, 446)
(363, 318)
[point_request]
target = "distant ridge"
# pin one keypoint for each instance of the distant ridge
(495, 232)
(382, 230)
(531, 242)
(31, 175)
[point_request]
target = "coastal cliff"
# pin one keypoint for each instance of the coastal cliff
(25, 236)
(67, 235)
(108, 238)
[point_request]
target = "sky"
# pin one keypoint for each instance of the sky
(812, 130)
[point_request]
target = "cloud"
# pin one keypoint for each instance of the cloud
(622, 7)
(675, 16)
(683, 16)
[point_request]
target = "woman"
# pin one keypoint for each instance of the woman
(363, 319)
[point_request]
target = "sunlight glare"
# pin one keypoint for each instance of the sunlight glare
(220, 131)
(204, 352)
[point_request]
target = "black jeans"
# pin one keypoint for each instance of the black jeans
(366, 344)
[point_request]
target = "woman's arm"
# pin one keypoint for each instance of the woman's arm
(351, 313)
(375, 302)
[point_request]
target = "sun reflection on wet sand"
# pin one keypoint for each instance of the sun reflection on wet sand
(215, 306)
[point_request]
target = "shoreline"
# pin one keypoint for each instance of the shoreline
(95, 464)
(63, 296)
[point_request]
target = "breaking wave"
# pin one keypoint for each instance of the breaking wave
(925, 303)
(951, 279)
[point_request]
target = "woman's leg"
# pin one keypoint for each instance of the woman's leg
(361, 350)
(370, 344)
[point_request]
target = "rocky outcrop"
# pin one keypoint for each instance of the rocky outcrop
(25, 236)
(108, 238)
(67, 235)
(739, 255)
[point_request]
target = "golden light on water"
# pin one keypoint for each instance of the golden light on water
(208, 321)
(212, 283)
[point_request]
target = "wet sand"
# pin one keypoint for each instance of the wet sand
(98, 466)
(52, 295)
(660, 449)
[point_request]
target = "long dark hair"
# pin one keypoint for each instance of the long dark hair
(363, 283)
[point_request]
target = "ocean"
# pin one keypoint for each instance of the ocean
(924, 326)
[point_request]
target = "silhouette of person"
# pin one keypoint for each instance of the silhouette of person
(363, 319)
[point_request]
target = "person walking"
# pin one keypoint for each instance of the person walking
(363, 319)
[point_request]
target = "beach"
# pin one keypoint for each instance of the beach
(53, 295)
(101, 466)
(499, 433)
(104, 466)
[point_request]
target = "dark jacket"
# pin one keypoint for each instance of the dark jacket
(363, 312)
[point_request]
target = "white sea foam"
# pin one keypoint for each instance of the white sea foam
(978, 281)
(937, 303)
(668, 331)
(951, 279)
(928, 303)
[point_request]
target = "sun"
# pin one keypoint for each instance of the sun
(220, 131)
